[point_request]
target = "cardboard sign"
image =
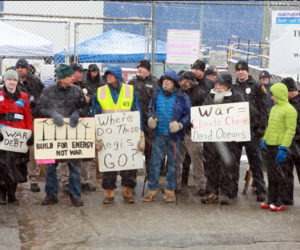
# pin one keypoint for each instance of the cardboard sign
(119, 134)
(221, 122)
(65, 142)
(285, 42)
(15, 139)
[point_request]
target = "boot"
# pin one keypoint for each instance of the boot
(224, 200)
(109, 197)
(11, 194)
(49, 200)
(169, 196)
(150, 196)
(76, 201)
(88, 187)
(210, 198)
(127, 195)
(2, 195)
(35, 188)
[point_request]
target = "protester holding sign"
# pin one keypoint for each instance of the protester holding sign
(117, 96)
(63, 99)
(221, 159)
(256, 95)
(169, 113)
(276, 143)
(14, 112)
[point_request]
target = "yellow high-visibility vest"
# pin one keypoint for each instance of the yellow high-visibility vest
(123, 104)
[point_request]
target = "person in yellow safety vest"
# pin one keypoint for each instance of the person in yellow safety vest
(117, 96)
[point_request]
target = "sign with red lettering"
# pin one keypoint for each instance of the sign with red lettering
(119, 133)
(65, 142)
(221, 122)
(15, 139)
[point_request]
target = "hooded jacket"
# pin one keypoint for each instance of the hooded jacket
(282, 120)
(117, 72)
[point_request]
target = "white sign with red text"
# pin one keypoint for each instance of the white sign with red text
(221, 122)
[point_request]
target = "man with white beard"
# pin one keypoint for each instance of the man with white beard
(221, 159)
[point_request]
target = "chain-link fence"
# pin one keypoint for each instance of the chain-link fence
(69, 23)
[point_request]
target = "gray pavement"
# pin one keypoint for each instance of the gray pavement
(157, 225)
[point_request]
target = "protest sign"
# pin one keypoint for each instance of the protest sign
(221, 122)
(183, 46)
(119, 134)
(15, 139)
(285, 42)
(65, 142)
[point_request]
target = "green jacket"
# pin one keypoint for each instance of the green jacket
(282, 120)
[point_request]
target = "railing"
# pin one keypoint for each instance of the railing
(254, 52)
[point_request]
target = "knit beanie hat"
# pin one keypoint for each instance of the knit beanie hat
(242, 65)
(290, 83)
(225, 79)
(11, 74)
(63, 70)
(188, 75)
(144, 64)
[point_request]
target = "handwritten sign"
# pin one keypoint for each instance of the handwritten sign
(15, 139)
(119, 134)
(65, 142)
(221, 122)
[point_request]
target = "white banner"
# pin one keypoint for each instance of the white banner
(183, 46)
(221, 122)
(15, 139)
(119, 134)
(65, 142)
(285, 42)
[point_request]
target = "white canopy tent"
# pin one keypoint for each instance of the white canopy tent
(17, 43)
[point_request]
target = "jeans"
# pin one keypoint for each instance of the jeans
(159, 144)
(51, 187)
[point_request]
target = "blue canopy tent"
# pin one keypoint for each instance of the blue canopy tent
(114, 46)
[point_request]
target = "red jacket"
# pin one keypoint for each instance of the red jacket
(15, 114)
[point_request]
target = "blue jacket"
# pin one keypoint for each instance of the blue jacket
(181, 111)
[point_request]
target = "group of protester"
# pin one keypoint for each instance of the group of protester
(164, 105)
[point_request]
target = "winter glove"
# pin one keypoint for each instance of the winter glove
(263, 145)
(141, 144)
(98, 145)
(74, 119)
(1, 137)
(30, 141)
(57, 118)
(282, 153)
(152, 122)
(175, 126)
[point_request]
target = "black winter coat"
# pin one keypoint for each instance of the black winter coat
(197, 96)
(256, 95)
(62, 100)
(296, 104)
(144, 89)
(33, 87)
(206, 84)
(13, 167)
